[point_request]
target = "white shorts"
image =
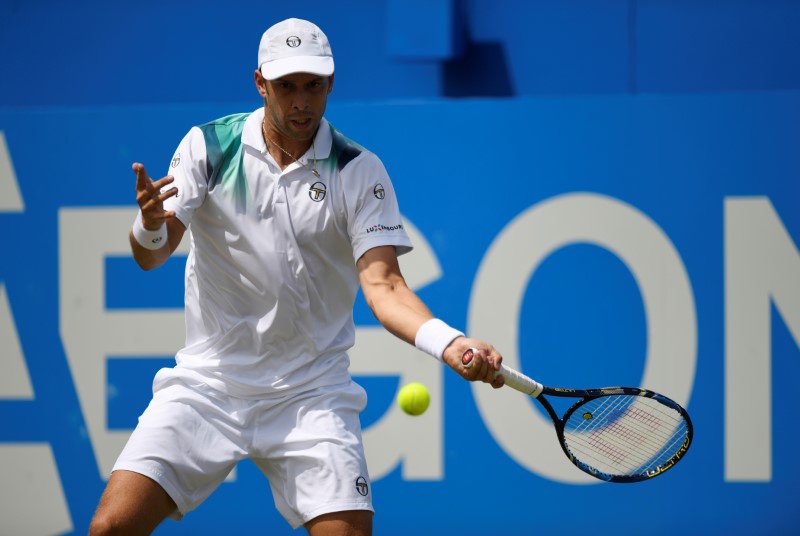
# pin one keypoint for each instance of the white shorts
(308, 446)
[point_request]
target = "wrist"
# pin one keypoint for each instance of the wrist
(434, 336)
(145, 237)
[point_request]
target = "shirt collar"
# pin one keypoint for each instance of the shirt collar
(253, 136)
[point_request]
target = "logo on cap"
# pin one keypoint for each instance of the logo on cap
(293, 41)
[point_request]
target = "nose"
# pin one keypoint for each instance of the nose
(301, 101)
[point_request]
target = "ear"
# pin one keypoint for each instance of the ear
(261, 83)
(330, 82)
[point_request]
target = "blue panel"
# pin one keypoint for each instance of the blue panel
(162, 52)
(93, 52)
(130, 287)
(129, 382)
(423, 29)
(705, 46)
(557, 47)
(469, 171)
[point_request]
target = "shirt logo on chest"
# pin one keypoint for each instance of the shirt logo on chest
(317, 192)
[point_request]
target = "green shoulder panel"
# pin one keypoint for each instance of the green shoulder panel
(224, 165)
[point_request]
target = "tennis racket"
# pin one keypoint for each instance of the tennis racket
(616, 434)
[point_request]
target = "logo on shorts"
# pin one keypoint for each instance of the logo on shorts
(317, 192)
(361, 486)
(378, 191)
(293, 41)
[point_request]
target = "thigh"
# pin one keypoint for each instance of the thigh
(185, 441)
(131, 504)
(350, 523)
(313, 455)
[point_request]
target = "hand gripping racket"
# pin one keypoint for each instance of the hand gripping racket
(616, 434)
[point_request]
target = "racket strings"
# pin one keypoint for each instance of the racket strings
(623, 435)
(616, 452)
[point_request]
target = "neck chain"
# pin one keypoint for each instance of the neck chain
(287, 153)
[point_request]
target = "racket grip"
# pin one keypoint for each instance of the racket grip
(517, 380)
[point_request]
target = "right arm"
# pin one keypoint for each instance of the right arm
(151, 204)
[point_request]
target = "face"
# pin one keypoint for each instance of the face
(295, 103)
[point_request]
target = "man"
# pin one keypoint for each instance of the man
(287, 217)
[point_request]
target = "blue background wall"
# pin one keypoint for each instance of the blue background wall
(685, 115)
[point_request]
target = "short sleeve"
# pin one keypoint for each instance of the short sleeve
(374, 213)
(188, 166)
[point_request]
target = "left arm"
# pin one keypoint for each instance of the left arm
(402, 313)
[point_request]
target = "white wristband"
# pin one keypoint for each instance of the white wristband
(434, 336)
(149, 239)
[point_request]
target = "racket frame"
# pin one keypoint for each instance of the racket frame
(586, 395)
(520, 382)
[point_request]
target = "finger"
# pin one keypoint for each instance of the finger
(163, 216)
(475, 367)
(163, 182)
(486, 373)
(495, 358)
(498, 382)
(158, 197)
(172, 192)
(142, 180)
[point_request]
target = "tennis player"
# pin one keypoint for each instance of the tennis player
(286, 217)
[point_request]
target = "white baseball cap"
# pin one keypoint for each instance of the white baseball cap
(294, 46)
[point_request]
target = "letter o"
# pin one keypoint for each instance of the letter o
(496, 301)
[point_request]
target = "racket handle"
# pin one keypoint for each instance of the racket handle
(517, 380)
(513, 378)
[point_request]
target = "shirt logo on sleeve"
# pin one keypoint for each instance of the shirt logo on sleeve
(176, 160)
(378, 191)
(379, 228)
(361, 486)
(317, 192)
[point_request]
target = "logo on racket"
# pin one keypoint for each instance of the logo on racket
(467, 357)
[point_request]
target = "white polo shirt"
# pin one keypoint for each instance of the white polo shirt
(271, 277)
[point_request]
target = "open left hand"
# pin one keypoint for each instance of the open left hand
(151, 199)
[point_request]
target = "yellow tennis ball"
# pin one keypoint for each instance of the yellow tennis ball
(414, 398)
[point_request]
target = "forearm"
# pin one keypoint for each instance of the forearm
(399, 310)
(147, 259)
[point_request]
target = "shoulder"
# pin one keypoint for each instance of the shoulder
(352, 159)
(232, 120)
(225, 128)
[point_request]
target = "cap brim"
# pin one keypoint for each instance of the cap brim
(322, 66)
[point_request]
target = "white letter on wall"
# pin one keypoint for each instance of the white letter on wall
(89, 332)
(762, 265)
(10, 198)
(500, 285)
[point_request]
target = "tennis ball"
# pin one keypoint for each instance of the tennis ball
(414, 398)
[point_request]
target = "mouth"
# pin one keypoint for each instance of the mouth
(302, 124)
